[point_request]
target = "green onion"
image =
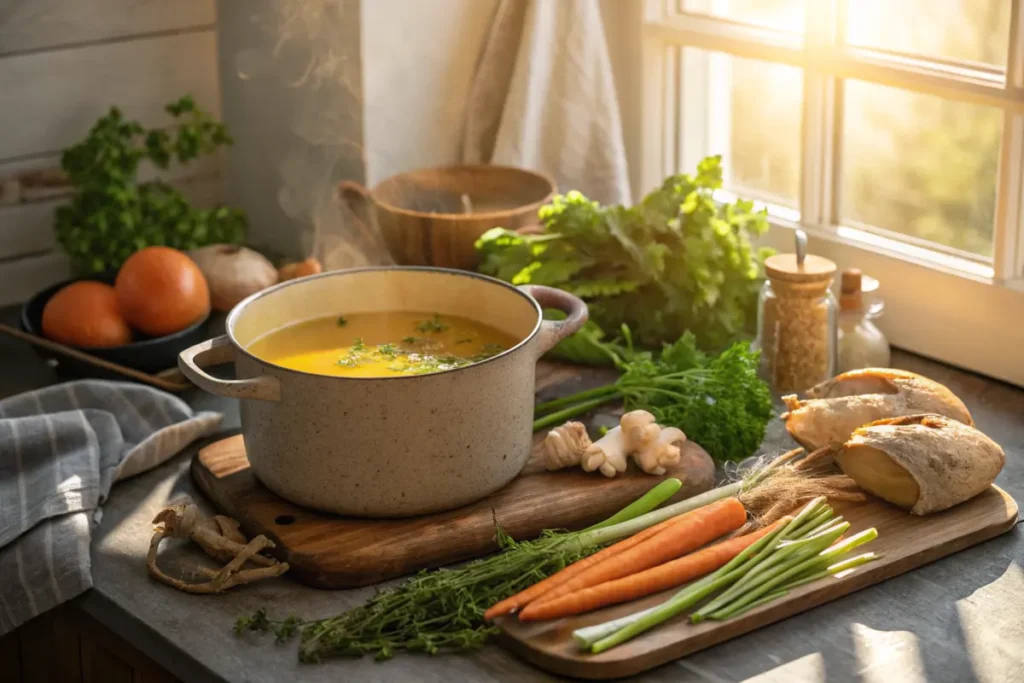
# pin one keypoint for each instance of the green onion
(644, 504)
(761, 601)
(772, 573)
(685, 598)
(799, 565)
(797, 552)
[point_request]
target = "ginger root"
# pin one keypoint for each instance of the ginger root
(662, 453)
(654, 448)
(219, 538)
(565, 445)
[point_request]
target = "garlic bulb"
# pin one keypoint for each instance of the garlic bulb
(233, 273)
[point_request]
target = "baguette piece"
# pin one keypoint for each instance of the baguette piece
(924, 463)
(840, 405)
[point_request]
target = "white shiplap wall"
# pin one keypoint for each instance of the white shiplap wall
(63, 63)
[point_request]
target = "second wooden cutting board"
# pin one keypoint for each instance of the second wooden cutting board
(329, 551)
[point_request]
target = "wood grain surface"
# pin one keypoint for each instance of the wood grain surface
(329, 551)
(905, 542)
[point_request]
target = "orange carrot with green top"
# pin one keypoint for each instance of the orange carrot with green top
(525, 597)
(691, 531)
(667, 575)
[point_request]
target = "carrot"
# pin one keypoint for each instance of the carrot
(694, 529)
(668, 575)
(525, 597)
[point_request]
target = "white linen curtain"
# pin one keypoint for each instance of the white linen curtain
(543, 97)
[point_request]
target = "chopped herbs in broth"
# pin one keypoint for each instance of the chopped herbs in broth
(381, 345)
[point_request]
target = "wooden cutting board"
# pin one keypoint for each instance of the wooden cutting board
(905, 542)
(329, 551)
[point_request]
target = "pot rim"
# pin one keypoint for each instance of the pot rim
(489, 215)
(229, 324)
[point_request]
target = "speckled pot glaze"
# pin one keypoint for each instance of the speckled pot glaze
(394, 446)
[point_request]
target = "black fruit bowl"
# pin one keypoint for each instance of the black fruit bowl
(146, 354)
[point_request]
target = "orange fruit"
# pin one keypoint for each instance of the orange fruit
(161, 291)
(85, 314)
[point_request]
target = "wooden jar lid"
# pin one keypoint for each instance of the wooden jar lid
(784, 267)
(850, 292)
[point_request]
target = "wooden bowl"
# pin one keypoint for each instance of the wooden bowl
(146, 354)
(424, 216)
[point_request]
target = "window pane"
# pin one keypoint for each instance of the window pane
(783, 15)
(920, 165)
(755, 123)
(972, 30)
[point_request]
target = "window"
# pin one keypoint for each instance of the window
(893, 132)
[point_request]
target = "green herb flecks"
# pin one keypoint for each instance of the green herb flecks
(488, 351)
(431, 326)
(341, 321)
(389, 350)
(464, 341)
(356, 356)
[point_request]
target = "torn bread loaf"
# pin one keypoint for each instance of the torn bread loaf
(924, 463)
(837, 407)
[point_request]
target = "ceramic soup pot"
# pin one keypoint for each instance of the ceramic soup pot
(388, 446)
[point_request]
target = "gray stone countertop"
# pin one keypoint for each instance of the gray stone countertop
(958, 620)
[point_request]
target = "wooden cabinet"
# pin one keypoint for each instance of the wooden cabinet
(68, 646)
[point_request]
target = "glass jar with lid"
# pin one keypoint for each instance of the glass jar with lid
(861, 343)
(796, 321)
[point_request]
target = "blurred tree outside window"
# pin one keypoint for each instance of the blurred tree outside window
(910, 163)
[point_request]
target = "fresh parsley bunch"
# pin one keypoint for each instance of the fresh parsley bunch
(717, 400)
(678, 261)
(112, 215)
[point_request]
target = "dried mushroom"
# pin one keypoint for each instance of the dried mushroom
(924, 463)
(837, 407)
(220, 538)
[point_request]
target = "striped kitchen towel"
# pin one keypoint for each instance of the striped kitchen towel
(61, 450)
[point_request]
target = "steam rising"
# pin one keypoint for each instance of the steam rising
(316, 54)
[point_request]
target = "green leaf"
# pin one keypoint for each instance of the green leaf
(111, 214)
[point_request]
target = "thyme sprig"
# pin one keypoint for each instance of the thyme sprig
(435, 611)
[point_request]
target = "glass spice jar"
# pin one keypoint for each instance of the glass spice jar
(796, 319)
(861, 343)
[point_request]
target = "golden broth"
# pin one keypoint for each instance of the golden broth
(381, 344)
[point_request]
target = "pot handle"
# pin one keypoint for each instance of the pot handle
(554, 331)
(357, 198)
(215, 352)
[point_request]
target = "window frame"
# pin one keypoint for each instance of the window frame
(933, 295)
